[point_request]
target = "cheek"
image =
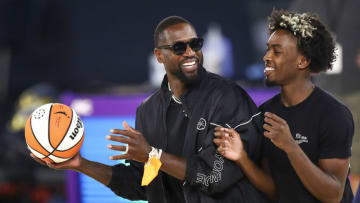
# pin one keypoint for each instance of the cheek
(200, 57)
(358, 61)
(172, 61)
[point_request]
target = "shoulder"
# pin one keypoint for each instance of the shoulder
(224, 87)
(329, 104)
(151, 100)
(332, 112)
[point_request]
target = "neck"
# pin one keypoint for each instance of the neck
(294, 93)
(177, 87)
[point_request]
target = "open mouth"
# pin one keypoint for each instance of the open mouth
(268, 69)
(189, 65)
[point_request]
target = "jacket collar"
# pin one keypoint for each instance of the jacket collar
(186, 97)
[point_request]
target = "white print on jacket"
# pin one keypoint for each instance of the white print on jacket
(201, 125)
(241, 124)
(218, 165)
(215, 174)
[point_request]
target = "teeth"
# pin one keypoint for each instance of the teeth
(189, 63)
(269, 69)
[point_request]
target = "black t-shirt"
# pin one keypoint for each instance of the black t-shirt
(323, 127)
(176, 123)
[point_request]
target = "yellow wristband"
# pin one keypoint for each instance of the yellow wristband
(152, 166)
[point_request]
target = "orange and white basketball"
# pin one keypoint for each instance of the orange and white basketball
(54, 132)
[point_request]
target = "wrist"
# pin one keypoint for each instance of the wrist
(153, 153)
(146, 154)
(79, 165)
(243, 156)
(291, 148)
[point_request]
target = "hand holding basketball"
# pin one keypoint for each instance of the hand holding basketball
(72, 164)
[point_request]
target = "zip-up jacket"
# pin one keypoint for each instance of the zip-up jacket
(214, 101)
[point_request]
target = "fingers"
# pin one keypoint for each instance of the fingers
(37, 159)
(129, 131)
(221, 139)
(51, 165)
(137, 147)
(268, 134)
(271, 122)
(221, 150)
(121, 139)
(274, 123)
(222, 142)
(42, 162)
(274, 117)
(267, 127)
(123, 132)
(221, 134)
(219, 129)
(121, 148)
(218, 141)
(119, 157)
(127, 127)
(232, 132)
(222, 129)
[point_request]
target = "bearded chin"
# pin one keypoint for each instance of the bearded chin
(188, 80)
(269, 83)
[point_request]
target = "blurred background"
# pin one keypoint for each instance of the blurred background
(52, 48)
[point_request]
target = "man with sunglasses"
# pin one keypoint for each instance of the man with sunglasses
(177, 124)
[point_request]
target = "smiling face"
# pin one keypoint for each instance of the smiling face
(185, 66)
(282, 60)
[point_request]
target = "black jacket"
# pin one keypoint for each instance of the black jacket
(209, 176)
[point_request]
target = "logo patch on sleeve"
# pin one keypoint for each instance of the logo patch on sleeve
(201, 125)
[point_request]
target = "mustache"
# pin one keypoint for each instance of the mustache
(268, 63)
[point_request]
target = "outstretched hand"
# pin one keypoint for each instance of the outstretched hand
(72, 164)
(229, 143)
(137, 147)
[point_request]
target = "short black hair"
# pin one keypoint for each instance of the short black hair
(165, 23)
(314, 40)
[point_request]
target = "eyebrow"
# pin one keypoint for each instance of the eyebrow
(273, 45)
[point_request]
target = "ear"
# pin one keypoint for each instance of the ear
(158, 55)
(303, 62)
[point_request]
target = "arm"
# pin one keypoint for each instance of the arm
(325, 181)
(231, 147)
(120, 179)
(97, 171)
(173, 165)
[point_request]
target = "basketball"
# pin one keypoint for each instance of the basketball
(54, 132)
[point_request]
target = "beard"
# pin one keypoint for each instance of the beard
(269, 83)
(188, 79)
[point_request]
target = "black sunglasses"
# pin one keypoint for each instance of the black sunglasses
(179, 47)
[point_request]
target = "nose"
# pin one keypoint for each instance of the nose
(266, 57)
(189, 51)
